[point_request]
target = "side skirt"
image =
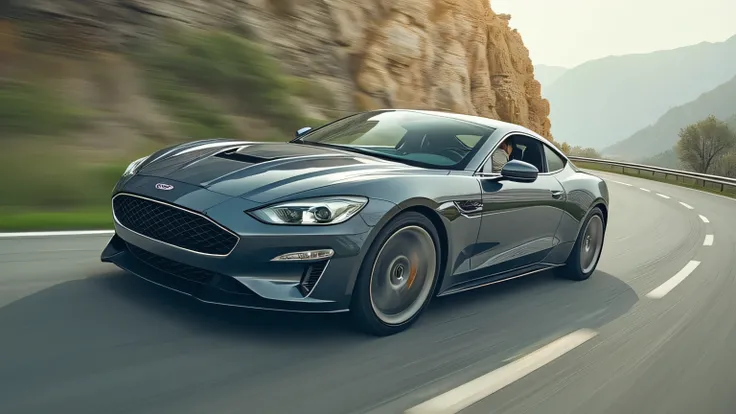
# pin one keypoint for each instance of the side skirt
(492, 280)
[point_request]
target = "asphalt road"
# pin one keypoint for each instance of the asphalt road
(78, 336)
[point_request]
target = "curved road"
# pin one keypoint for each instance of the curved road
(653, 331)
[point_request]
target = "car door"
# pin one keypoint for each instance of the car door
(519, 219)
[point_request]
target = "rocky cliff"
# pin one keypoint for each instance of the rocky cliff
(455, 55)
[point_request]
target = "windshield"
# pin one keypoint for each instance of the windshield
(432, 141)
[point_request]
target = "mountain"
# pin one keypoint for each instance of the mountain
(662, 135)
(547, 75)
(603, 101)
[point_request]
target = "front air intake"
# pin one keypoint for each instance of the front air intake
(311, 275)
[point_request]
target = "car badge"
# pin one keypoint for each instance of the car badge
(165, 187)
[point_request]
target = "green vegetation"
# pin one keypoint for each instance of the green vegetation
(99, 218)
(577, 151)
(30, 108)
(46, 188)
(703, 145)
(229, 67)
(195, 118)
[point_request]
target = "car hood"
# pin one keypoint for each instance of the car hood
(262, 172)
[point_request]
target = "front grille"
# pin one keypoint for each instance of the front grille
(172, 225)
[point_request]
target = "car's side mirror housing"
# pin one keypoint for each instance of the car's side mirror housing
(302, 131)
(519, 171)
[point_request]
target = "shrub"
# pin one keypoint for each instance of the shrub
(34, 109)
(228, 66)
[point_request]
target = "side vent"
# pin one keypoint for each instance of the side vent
(311, 275)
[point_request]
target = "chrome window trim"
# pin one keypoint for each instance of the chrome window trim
(179, 208)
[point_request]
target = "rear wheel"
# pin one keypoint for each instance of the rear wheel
(588, 247)
(398, 275)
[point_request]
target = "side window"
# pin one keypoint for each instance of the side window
(554, 161)
(531, 153)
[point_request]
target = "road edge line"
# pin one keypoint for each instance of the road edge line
(660, 291)
(475, 390)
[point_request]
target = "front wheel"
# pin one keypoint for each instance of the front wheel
(398, 275)
(587, 250)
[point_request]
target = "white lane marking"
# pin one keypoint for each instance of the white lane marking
(705, 219)
(686, 205)
(619, 182)
(663, 196)
(56, 233)
(675, 280)
(708, 240)
(645, 189)
(471, 392)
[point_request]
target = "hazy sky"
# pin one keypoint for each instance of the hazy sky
(570, 32)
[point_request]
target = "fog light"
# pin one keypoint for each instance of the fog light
(305, 255)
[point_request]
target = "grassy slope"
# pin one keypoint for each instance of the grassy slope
(57, 180)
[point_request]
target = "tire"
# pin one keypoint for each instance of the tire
(586, 253)
(406, 251)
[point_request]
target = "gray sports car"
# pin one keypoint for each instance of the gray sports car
(375, 214)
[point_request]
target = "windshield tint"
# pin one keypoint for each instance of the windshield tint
(413, 137)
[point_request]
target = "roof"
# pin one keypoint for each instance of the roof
(493, 123)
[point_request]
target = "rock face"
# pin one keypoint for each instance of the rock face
(454, 55)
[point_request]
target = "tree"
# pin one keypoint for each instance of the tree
(565, 147)
(579, 151)
(726, 166)
(704, 143)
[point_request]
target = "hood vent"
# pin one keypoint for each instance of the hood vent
(257, 153)
(235, 155)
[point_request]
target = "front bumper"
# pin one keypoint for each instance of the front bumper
(216, 288)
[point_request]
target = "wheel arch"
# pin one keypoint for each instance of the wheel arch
(425, 208)
(442, 234)
(604, 209)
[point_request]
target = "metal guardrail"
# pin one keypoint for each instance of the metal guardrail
(724, 183)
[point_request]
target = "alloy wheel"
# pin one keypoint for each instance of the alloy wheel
(403, 275)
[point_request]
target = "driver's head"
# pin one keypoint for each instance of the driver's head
(506, 146)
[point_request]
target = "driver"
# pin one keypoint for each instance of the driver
(501, 156)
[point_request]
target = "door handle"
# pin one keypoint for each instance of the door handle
(557, 194)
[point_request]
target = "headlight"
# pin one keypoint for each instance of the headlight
(133, 167)
(315, 211)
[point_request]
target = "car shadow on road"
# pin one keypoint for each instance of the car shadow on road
(117, 302)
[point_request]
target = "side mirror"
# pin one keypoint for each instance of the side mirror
(302, 131)
(519, 171)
